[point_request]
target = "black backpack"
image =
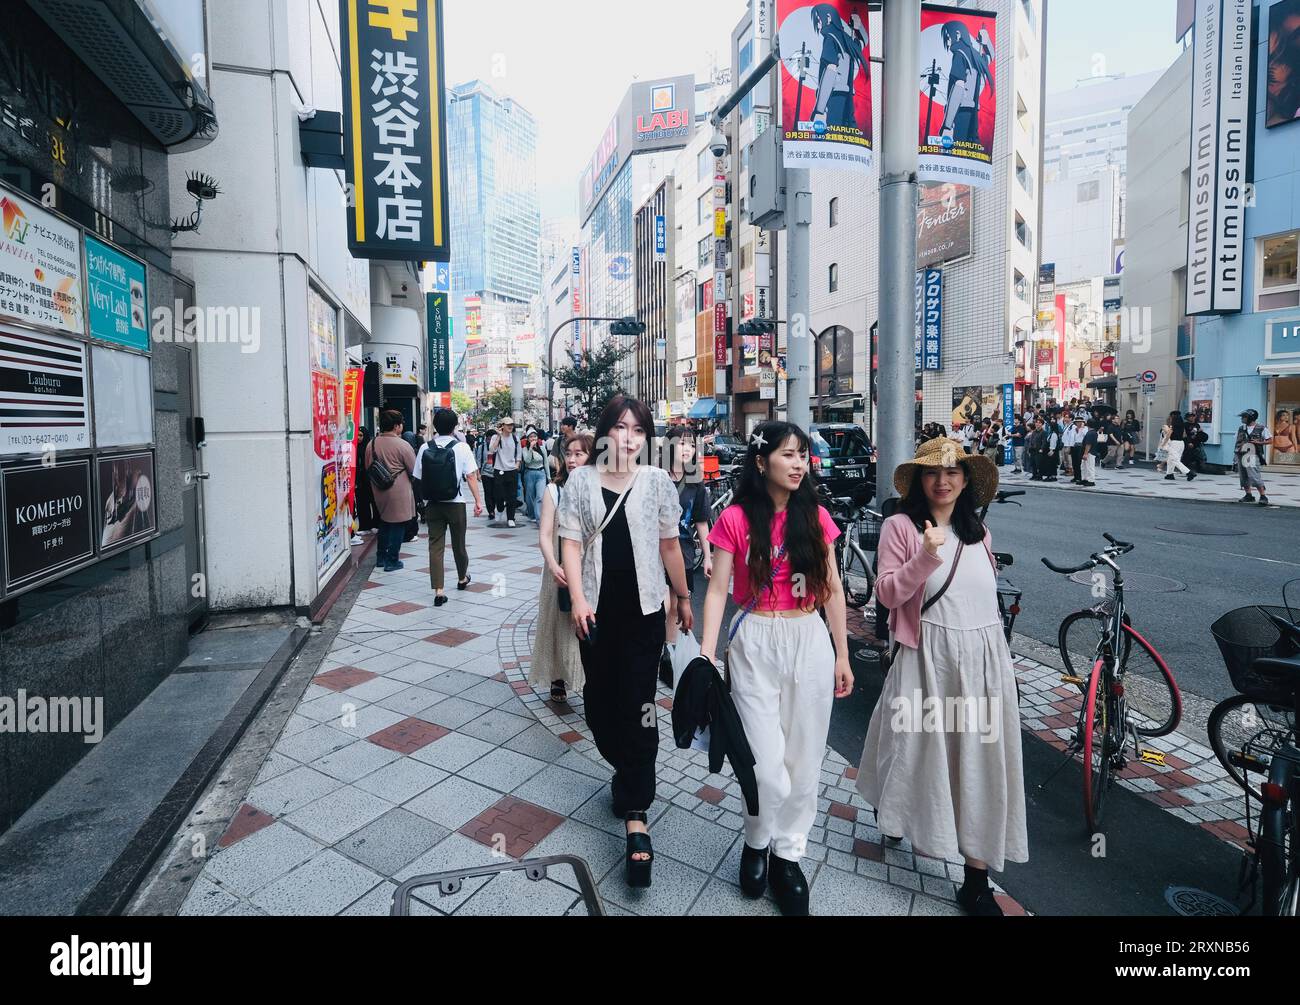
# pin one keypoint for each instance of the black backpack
(438, 476)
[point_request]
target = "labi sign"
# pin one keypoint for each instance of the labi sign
(394, 129)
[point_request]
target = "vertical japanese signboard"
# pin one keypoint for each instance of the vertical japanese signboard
(439, 343)
(353, 383)
(932, 319)
(1008, 420)
(394, 129)
(825, 84)
(958, 102)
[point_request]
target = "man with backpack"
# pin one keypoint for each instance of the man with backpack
(1252, 437)
(444, 467)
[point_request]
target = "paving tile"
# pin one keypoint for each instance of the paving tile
(374, 690)
(325, 885)
(312, 743)
(674, 888)
(286, 793)
(454, 712)
(600, 850)
(929, 907)
(392, 841)
(503, 770)
(490, 692)
(691, 839)
(347, 764)
(400, 780)
(513, 894)
(246, 821)
(414, 671)
(496, 726)
(451, 637)
(375, 904)
(838, 893)
(720, 899)
(452, 802)
(206, 899)
(333, 817)
(558, 789)
(539, 742)
(512, 826)
(342, 678)
(455, 851)
(249, 865)
(408, 736)
(453, 752)
(412, 700)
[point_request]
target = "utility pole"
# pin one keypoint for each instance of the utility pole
(895, 439)
(798, 392)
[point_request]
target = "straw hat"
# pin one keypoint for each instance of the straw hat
(945, 453)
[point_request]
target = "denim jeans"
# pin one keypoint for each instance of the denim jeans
(534, 484)
(390, 543)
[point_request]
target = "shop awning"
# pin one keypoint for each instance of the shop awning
(1104, 383)
(842, 401)
(1291, 369)
(705, 408)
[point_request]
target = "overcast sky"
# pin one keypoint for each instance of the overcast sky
(569, 61)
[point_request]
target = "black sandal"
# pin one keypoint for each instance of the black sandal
(638, 843)
(559, 692)
(464, 585)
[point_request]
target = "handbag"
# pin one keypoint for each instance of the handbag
(563, 599)
(380, 474)
(888, 661)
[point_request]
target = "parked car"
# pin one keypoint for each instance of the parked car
(726, 448)
(844, 460)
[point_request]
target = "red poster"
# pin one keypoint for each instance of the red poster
(352, 383)
(825, 84)
(958, 104)
(324, 414)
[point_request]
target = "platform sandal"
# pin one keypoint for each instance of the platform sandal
(638, 843)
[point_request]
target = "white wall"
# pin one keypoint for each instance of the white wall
(276, 226)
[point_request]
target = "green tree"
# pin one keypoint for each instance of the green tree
(594, 379)
(461, 403)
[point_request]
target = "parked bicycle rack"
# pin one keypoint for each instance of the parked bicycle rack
(535, 869)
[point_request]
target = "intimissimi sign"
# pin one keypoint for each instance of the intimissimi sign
(1221, 75)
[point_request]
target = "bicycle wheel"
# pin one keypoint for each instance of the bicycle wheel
(1155, 705)
(857, 578)
(1097, 746)
(1277, 870)
(1077, 638)
(1240, 723)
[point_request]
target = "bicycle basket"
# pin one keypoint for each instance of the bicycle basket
(869, 532)
(1245, 635)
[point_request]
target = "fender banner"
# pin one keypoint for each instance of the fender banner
(958, 101)
(825, 84)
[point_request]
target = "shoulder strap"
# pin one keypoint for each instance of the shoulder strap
(961, 546)
(753, 601)
(613, 510)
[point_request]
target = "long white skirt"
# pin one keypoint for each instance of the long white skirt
(942, 762)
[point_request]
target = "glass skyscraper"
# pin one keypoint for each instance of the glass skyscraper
(495, 220)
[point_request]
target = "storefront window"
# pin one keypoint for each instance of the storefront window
(1283, 420)
(1277, 273)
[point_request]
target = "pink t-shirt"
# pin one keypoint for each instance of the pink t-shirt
(731, 533)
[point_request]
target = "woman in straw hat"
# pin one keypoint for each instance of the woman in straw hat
(941, 763)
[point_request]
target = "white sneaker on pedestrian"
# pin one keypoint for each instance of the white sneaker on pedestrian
(510, 523)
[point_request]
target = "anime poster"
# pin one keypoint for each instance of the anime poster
(958, 103)
(353, 379)
(825, 84)
(1283, 63)
(326, 425)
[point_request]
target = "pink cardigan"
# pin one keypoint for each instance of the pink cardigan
(904, 567)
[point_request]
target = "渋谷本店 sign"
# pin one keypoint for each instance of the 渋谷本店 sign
(48, 523)
(42, 393)
(394, 133)
(40, 266)
(116, 302)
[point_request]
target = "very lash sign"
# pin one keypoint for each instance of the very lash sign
(394, 129)
(1221, 75)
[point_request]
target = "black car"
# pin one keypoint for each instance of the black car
(844, 460)
(727, 449)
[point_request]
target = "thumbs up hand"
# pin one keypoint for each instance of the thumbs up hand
(934, 538)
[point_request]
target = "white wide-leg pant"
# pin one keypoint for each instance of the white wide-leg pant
(783, 685)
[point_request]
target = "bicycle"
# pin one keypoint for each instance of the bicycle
(859, 534)
(1119, 701)
(1254, 731)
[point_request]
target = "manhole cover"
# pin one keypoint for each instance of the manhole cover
(1193, 903)
(1202, 531)
(1136, 582)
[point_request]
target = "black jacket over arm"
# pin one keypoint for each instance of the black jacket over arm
(703, 699)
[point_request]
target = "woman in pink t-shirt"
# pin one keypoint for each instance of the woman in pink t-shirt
(774, 546)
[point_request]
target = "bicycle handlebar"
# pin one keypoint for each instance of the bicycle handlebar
(1004, 496)
(1116, 549)
(1071, 570)
(1124, 546)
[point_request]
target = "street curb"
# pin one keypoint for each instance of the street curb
(1061, 487)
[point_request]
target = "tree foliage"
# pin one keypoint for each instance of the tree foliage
(593, 380)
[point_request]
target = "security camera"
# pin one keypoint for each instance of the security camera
(202, 186)
(718, 144)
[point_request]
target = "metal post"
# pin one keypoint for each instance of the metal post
(517, 373)
(798, 392)
(895, 437)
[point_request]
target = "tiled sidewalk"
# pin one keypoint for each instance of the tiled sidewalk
(1283, 487)
(419, 747)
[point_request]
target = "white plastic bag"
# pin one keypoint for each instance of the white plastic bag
(687, 649)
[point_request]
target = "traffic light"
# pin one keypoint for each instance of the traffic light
(627, 326)
(761, 326)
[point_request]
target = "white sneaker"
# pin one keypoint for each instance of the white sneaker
(510, 523)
